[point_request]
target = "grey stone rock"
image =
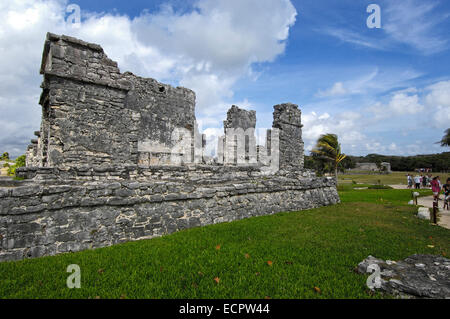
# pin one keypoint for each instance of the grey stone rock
(424, 213)
(27, 191)
(418, 276)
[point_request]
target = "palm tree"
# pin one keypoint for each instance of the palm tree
(446, 139)
(328, 148)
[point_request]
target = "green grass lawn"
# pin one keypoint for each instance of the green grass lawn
(391, 196)
(395, 178)
(285, 255)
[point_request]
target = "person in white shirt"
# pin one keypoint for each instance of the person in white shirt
(417, 181)
(410, 180)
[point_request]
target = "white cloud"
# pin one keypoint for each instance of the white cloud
(392, 147)
(218, 41)
(335, 90)
(212, 135)
(346, 125)
(324, 116)
(439, 94)
(402, 103)
(441, 117)
(211, 90)
(371, 82)
(353, 37)
(438, 102)
(374, 147)
(207, 49)
(22, 25)
(229, 34)
(415, 23)
(391, 121)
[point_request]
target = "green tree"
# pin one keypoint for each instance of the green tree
(5, 156)
(446, 139)
(20, 162)
(348, 163)
(329, 148)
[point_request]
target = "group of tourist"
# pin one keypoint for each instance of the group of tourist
(419, 180)
(434, 183)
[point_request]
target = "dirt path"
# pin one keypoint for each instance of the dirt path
(404, 186)
(399, 186)
(3, 171)
(444, 215)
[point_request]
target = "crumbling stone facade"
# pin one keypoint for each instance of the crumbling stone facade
(119, 157)
(287, 119)
(384, 167)
(238, 145)
(94, 115)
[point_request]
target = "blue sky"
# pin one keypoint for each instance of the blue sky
(383, 91)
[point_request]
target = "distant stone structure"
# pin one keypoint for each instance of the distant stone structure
(373, 167)
(386, 167)
(119, 157)
(367, 167)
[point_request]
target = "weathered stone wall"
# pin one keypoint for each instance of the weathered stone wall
(84, 121)
(162, 109)
(43, 220)
(91, 129)
(239, 118)
(140, 173)
(93, 114)
(119, 158)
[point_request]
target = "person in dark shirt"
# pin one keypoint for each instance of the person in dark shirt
(446, 189)
(424, 180)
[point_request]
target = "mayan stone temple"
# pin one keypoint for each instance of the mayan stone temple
(119, 158)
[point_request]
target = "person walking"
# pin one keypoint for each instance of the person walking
(417, 181)
(446, 189)
(424, 181)
(435, 188)
(409, 180)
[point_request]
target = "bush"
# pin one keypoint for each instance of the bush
(12, 170)
(5, 156)
(20, 162)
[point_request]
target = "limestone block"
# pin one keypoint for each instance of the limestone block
(423, 213)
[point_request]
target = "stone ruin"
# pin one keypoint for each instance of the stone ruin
(373, 167)
(119, 157)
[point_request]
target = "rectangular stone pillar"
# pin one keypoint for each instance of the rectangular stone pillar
(287, 118)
